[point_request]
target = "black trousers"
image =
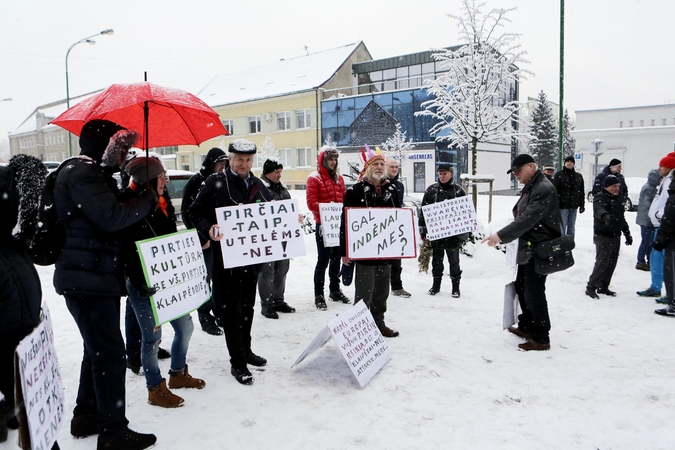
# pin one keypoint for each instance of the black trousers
(395, 278)
(234, 291)
(371, 285)
(531, 290)
(437, 262)
(103, 369)
(606, 257)
(204, 311)
(326, 257)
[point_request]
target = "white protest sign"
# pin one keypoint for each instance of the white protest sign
(510, 316)
(331, 215)
(41, 386)
(380, 233)
(512, 258)
(174, 265)
(450, 218)
(260, 232)
(360, 342)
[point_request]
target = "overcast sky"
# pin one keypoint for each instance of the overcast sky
(617, 52)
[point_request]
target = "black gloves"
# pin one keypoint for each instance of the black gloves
(146, 292)
(629, 238)
(582, 208)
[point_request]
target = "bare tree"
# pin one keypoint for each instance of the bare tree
(397, 146)
(475, 100)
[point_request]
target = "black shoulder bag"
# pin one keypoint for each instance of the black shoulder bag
(554, 255)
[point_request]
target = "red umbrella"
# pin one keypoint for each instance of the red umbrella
(170, 116)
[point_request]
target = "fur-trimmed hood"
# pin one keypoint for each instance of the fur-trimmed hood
(22, 188)
(120, 142)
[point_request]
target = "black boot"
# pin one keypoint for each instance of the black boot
(436, 287)
(455, 286)
(267, 310)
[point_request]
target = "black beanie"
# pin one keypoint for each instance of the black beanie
(95, 136)
(569, 158)
(614, 162)
(271, 164)
(610, 180)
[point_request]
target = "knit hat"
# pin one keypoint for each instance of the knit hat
(95, 137)
(369, 157)
(614, 162)
(569, 159)
(610, 180)
(242, 146)
(548, 168)
(328, 153)
(271, 164)
(138, 172)
(668, 161)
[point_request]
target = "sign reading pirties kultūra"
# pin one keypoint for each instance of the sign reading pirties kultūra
(331, 217)
(360, 342)
(260, 232)
(450, 218)
(41, 389)
(174, 265)
(380, 233)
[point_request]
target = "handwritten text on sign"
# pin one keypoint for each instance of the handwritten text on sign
(360, 342)
(41, 383)
(331, 215)
(260, 232)
(374, 233)
(450, 218)
(174, 265)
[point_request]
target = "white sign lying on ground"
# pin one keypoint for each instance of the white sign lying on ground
(174, 265)
(260, 232)
(359, 340)
(450, 218)
(331, 217)
(380, 233)
(41, 388)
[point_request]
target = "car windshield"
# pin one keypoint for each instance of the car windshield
(176, 185)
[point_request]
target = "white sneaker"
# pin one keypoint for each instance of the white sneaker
(401, 293)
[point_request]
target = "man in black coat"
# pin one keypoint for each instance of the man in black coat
(536, 218)
(233, 289)
(215, 161)
(396, 269)
(613, 168)
(272, 279)
(90, 275)
(444, 189)
(21, 183)
(570, 187)
(608, 224)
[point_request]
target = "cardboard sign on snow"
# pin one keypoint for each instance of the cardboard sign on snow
(359, 340)
(510, 316)
(380, 233)
(260, 232)
(331, 216)
(41, 389)
(174, 265)
(450, 218)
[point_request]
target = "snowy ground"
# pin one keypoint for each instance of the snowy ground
(456, 379)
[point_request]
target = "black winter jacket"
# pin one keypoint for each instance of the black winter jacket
(536, 217)
(570, 187)
(608, 215)
(193, 185)
(156, 224)
(600, 178)
(665, 238)
(86, 200)
(364, 195)
(278, 190)
(436, 193)
(223, 189)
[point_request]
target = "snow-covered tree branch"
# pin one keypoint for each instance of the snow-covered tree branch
(397, 146)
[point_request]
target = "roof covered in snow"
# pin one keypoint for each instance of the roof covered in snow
(286, 76)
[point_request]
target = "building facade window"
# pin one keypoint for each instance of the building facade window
(168, 150)
(229, 125)
(285, 157)
(620, 123)
(305, 158)
(630, 124)
(28, 142)
(284, 121)
(254, 124)
(303, 118)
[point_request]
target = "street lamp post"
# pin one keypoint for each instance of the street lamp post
(597, 151)
(88, 40)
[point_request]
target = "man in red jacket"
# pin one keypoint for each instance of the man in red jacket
(326, 185)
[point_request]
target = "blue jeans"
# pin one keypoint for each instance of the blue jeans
(151, 338)
(656, 266)
(645, 249)
(569, 218)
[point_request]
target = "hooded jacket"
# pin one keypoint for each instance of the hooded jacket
(647, 194)
(536, 217)
(193, 185)
(570, 187)
(86, 201)
(600, 178)
(278, 190)
(322, 188)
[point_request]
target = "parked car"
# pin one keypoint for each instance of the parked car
(634, 185)
(51, 165)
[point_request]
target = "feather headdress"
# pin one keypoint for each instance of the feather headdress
(368, 156)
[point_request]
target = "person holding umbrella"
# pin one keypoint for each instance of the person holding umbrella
(146, 171)
(234, 290)
(90, 275)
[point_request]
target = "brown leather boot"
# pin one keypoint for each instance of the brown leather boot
(387, 332)
(162, 396)
(179, 380)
